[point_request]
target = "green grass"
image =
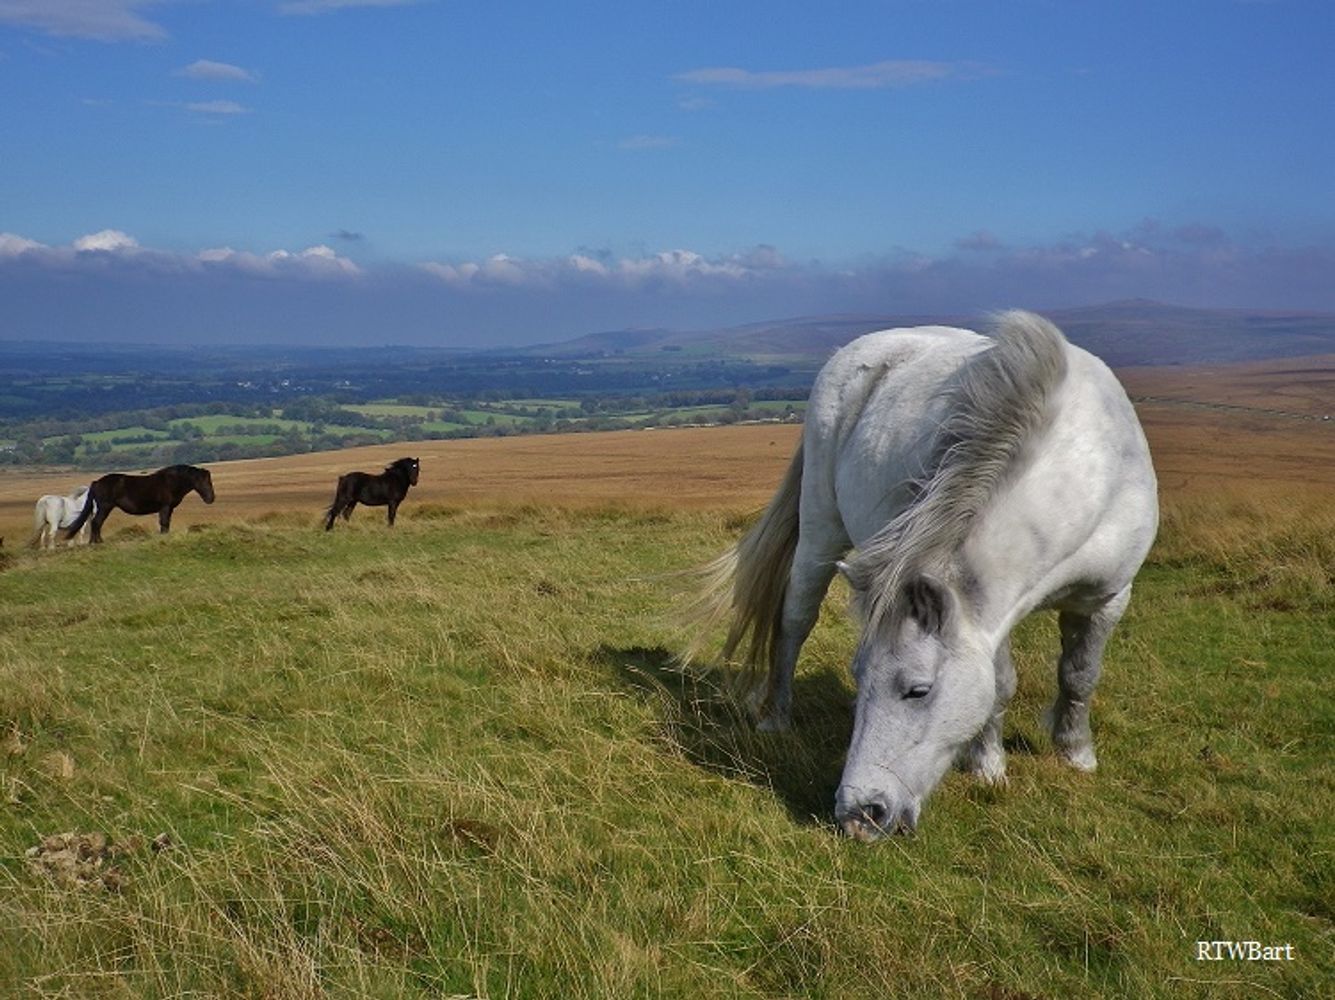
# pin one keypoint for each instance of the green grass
(389, 409)
(452, 759)
(478, 417)
(210, 423)
(126, 432)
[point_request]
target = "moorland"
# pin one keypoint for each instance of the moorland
(457, 758)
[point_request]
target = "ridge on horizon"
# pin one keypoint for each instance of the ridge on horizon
(1122, 332)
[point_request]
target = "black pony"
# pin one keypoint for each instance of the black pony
(390, 487)
(157, 493)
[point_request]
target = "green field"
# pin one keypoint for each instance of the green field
(453, 759)
(389, 409)
(211, 423)
(127, 432)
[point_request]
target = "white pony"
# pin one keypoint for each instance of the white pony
(978, 480)
(53, 513)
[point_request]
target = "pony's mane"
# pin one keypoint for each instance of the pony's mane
(995, 404)
(400, 463)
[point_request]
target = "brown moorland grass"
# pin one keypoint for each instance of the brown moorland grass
(1196, 451)
(712, 467)
(1297, 385)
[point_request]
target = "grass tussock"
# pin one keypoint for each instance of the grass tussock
(457, 759)
(1267, 551)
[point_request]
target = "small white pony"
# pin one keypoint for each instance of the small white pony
(53, 513)
(977, 480)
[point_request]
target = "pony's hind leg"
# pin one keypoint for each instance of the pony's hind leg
(393, 510)
(1083, 635)
(984, 757)
(164, 520)
(100, 516)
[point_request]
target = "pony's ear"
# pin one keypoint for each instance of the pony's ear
(851, 576)
(929, 603)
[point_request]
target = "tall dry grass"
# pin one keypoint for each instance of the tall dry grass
(455, 760)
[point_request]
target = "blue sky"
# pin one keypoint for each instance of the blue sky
(390, 171)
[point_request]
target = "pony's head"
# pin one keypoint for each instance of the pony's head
(410, 467)
(204, 484)
(926, 685)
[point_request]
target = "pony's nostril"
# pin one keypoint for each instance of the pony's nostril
(874, 813)
(866, 821)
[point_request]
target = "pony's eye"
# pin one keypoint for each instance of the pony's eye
(917, 691)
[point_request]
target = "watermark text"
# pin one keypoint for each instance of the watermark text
(1242, 951)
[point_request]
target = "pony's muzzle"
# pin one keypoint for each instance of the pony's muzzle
(875, 817)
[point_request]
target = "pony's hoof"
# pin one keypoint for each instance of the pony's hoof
(990, 773)
(986, 768)
(1081, 758)
(773, 723)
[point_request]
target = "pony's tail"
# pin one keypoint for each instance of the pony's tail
(748, 582)
(89, 506)
(333, 510)
(38, 525)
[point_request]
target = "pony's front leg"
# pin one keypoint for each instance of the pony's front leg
(1084, 634)
(393, 510)
(985, 757)
(808, 581)
(164, 520)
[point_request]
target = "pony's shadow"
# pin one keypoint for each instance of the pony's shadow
(704, 717)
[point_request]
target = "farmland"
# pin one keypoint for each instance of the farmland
(455, 758)
(193, 434)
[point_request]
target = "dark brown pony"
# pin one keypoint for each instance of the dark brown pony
(390, 487)
(157, 493)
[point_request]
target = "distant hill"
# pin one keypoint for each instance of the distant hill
(1136, 332)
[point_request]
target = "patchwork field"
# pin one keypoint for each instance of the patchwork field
(455, 758)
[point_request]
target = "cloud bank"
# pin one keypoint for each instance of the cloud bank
(105, 285)
(110, 249)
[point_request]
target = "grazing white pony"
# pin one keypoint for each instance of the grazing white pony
(53, 513)
(977, 480)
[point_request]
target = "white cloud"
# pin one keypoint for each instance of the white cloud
(106, 241)
(313, 262)
(207, 69)
(96, 249)
(668, 267)
(328, 6)
(103, 20)
(12, 245)
(498, 270)
(889, 73)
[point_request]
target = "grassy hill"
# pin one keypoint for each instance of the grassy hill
(454, 760)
